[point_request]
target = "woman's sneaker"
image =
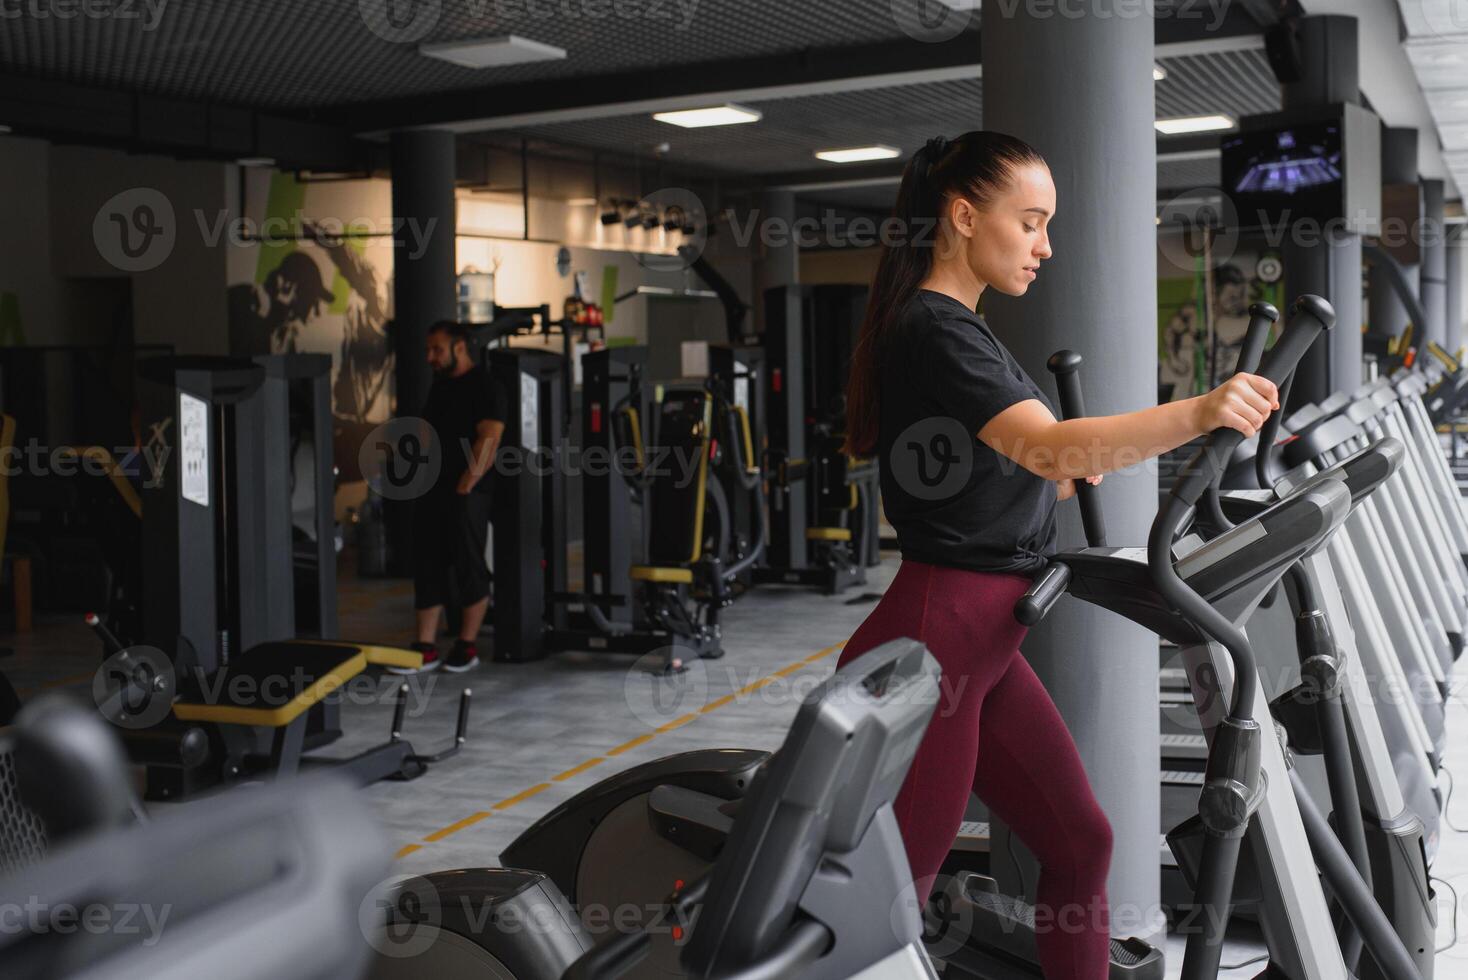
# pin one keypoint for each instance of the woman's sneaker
(430, 660)
(464, 656)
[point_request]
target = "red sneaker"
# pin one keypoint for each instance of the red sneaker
(430, 660)
(464, 656)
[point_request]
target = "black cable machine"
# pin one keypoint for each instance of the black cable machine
(657, 590)
(233, 678)
(823, 503)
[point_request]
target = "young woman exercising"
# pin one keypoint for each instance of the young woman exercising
(926, 368)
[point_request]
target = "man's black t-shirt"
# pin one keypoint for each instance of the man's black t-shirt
(951, 499)
(454, 410)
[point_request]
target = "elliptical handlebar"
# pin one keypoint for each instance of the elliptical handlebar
(1310, 317)
(1267, 470)
(1064, 364)
(1262, 316)
(1042, 594)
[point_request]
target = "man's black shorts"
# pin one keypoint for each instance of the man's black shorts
(449, 535)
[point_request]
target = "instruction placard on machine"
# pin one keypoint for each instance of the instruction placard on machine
(193, 447)
(529, 411)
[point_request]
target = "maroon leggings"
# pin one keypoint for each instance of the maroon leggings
(997, 732)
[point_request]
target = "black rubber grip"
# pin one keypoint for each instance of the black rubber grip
(1065, 364)
(1044, 592)
(1310, 316)
(1262, 316)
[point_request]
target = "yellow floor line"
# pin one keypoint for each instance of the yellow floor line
(454, 828)
(628, 746)
(578, 770)
(519, 798)
(755, 686)
(716, 704)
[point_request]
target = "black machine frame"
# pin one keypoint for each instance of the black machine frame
(810, 332)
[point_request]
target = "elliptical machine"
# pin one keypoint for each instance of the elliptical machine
(1250, 792)
(811, 879)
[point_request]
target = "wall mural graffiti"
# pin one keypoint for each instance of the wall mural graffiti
(311, 282)
(1201, 320)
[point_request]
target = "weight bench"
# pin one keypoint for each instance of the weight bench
(267, 707)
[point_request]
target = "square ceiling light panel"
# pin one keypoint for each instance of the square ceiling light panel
(492, 52)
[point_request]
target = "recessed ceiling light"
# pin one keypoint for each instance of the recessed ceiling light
(718, 115)
(581, 202)
(492, 52)
(1193, 124)
(5, 129)
(1158, 73)
(858, 154)
(256, 161)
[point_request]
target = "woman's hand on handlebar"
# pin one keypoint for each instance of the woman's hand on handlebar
(1242, 403)
(1065, 489)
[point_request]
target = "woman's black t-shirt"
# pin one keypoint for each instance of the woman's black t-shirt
(951, 499)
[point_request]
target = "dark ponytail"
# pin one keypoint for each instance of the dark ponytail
(977, 165)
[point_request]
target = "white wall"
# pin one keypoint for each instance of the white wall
(181, 300)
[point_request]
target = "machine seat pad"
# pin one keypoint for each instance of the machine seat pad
(828, 534)
(272, 684)
(377, 656)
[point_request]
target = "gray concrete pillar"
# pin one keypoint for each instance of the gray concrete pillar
(425, 287)
(1081, 94)
(778, 262)
(780, 255)
(1433, 275)
(1386, 315)
(1327, 264)
(424, 264)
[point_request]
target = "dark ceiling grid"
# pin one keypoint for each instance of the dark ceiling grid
(904, 116)
(1182, 175)
(1233, 82)
(301, 53)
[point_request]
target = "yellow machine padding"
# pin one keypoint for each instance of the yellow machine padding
(1448, 361)
(751, 465)
(272, 684)
(661, 573)
(634, 422)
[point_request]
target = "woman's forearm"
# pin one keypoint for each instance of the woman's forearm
(1095, 445)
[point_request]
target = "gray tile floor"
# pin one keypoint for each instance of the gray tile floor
(532, 722)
